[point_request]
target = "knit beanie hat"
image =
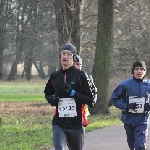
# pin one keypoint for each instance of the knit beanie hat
(138, 64)
(70, 47)
(77, 58)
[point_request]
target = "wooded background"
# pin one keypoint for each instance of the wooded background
(109, 35)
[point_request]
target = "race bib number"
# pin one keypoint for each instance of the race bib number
(67, 107)
(139, 101)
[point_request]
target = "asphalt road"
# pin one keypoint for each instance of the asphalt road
(108, 138)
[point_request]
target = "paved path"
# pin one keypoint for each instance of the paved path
(108, 138)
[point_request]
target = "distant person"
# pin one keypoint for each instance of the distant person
(85, 111)
(77, 62)
(132, 96)
(64, 91)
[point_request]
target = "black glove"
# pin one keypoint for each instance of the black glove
(147, 107)
(67, 91)
(131, 106)
(52, 99)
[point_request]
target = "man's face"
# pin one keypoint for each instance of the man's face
(77, 65)
(66, 58)
(139, 72)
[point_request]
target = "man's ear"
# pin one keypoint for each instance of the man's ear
(75, 58)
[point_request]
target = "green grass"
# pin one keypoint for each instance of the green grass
(25, 140)
(101, 122)
(22, 91)
(33, 132)
(12, 97)
(18, 133)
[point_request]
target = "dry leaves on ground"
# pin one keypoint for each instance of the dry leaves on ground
(25, 108)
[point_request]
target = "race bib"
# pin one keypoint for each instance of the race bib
(138, 100)
(67, 107)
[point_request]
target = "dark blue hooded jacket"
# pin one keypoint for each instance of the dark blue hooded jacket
(120, 98)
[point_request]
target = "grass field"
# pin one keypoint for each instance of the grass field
(25, 117)
(22, 91)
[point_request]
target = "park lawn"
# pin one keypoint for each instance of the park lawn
(21, 97)
(25, 133)
(18, 133)
(22, 91)
(30, 131)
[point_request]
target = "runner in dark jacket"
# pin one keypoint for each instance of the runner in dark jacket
(132, 97)
(85, 112)
(64, 91)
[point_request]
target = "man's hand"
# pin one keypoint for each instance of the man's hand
(52, 99)
(73, 92)
(67, 91)
(131, 106)
(147, 107)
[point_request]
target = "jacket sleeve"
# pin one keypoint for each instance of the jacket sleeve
(118, 97)
(93, 88)
(85, 95)
(50, 93)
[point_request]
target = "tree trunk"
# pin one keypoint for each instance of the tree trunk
(28, 67)
(103, 55)
(1, 38)
(1, 51)
(39, 69)
(13, 71)
(19, 43)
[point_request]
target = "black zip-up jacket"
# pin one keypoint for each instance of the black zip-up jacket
(77, 79)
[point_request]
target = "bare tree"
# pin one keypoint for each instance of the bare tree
(103, 54)
(68, 21)
(29, 26)
(19, 39)
(37, 33)
(131, 36)
(2, 32)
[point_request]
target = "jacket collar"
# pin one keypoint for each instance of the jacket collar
(69, 69)
(138, 80)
